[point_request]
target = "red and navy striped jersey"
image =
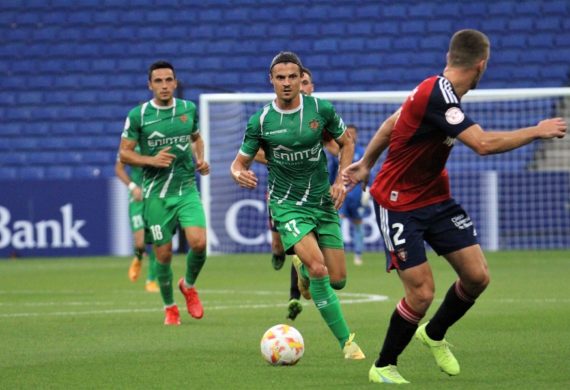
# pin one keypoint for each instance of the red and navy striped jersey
(414, 174)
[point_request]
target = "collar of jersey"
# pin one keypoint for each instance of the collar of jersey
(292, 111)
(152, 103)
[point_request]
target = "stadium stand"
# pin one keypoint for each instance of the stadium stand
(71, 70)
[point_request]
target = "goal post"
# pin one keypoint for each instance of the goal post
(518, 200)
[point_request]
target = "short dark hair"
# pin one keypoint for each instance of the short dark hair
(307, 71)
(160, 65)
(467, 47)
(286, 56)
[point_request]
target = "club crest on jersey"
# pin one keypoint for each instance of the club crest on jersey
(314, 124)
(184, 118)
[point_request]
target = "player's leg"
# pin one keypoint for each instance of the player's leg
(277, 250)
(331, 242)
(336, 265)
(193, 221)
(453, 236)
(151, 284)
(294, 307)
(323, 295)
(402, 233)
(357, 240)
(471, 267)
(137, 227)
(160, 219)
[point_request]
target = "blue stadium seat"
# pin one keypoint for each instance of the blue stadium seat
(8, 173)
(86, 172)
(59, 172)
(559, 7)
(31, 173)
(13, 158)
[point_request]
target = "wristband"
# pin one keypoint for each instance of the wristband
(132, 185)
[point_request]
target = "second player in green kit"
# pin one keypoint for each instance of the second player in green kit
(302, 202)
(166, 129)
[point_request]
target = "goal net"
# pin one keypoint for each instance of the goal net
(518, 200)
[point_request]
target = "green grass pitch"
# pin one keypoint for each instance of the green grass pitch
(79, 323)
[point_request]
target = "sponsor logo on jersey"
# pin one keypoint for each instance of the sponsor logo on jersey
(181, 139)
(283, 153)
(151, 122)
(393, 196)
(454, 116)
(276, 131)
(155, 134)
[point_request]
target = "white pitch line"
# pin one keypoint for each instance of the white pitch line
(351, 298)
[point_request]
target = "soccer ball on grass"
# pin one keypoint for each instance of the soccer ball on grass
(282, 345)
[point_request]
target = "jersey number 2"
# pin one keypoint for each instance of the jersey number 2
(399, 230)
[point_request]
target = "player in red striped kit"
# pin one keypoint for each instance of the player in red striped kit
(413, 201)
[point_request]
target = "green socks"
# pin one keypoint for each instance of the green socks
(164, 276)
(329, 306)
(194, 263)
(139, 252)
(151, 265)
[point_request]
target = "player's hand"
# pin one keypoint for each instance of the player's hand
(203, 167)
(137, 194)
(553, 127)
(355, 173)
(338, 194)
(246, 179)
(163, 159)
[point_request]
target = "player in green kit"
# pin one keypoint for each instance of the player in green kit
(134, 184)
(302, 202)
(166, 129)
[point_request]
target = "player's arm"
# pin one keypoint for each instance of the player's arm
(360, 170)
(332, 146)
(122, 174)
(260, 157)
(493, 142)
(241, 173)
(345, 155)
(198, 150)
(128, 156)
(240, 168)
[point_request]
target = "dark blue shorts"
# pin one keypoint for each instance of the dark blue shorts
(445, 226)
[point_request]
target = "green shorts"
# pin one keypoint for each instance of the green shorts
(163, 214)
(294, 223)
(136, 215)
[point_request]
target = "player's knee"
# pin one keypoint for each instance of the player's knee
(338, 284)
(477, 283)
(198, 243)
(317, 270)
(420, 299)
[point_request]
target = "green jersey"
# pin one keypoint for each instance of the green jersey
(155, 128)
(293, 145)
